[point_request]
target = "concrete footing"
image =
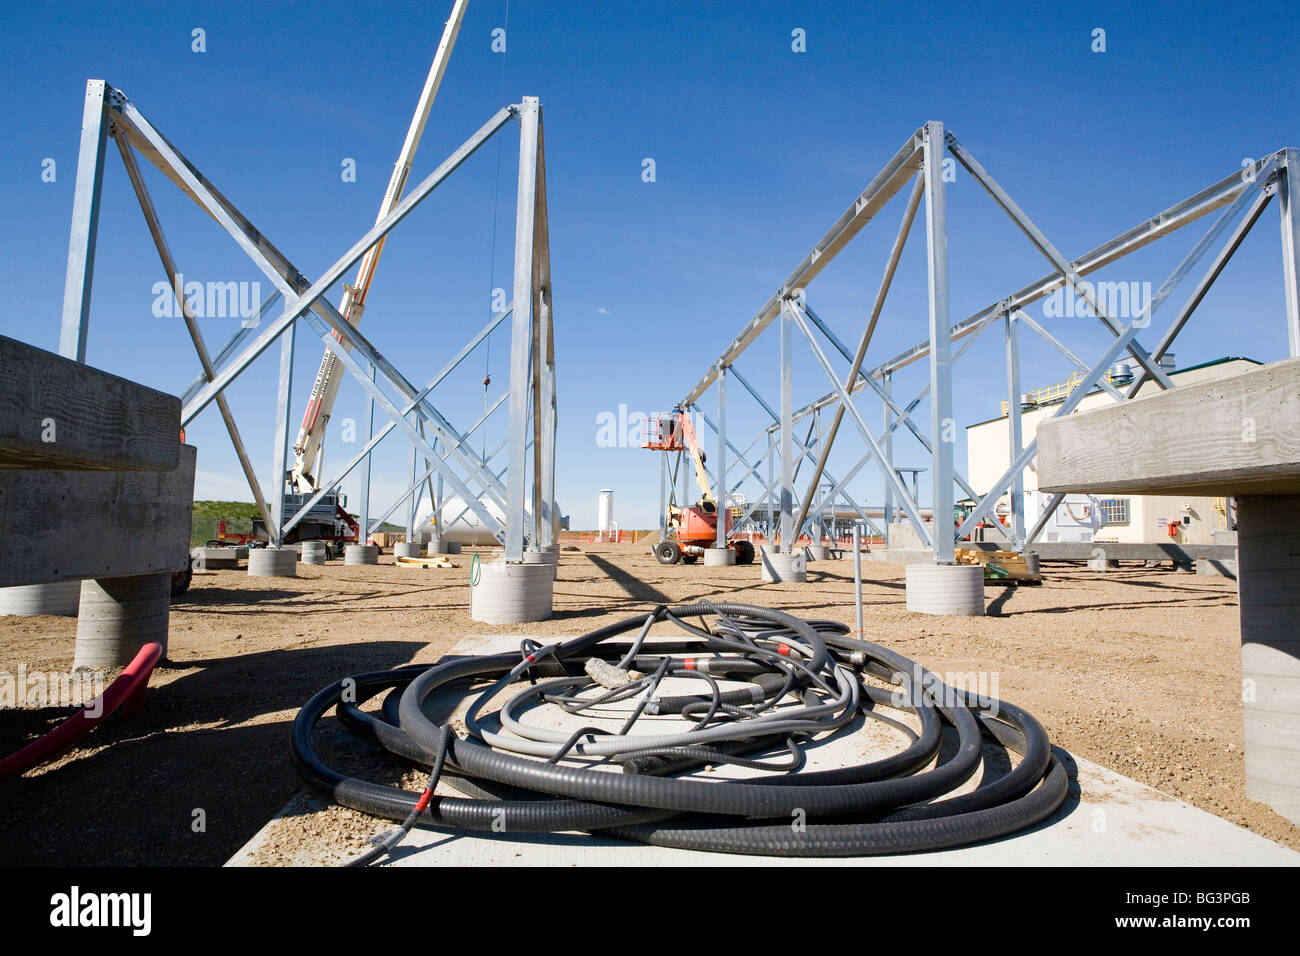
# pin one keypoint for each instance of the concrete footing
(780, 566)
(314, 552)
(817, 552)
(718, 557)
(59, 598)
(406, 549)
(217, 559)
(512, 593)
(272, 563)
(1268, 555)
(118, 616)
(945, 589)
(361, 554)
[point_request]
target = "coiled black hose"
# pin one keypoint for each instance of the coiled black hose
(805, 680)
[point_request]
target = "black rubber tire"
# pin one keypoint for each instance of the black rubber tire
(214, 543)
(667, 552)
(689, 558)
(744, 552)
(181, 581)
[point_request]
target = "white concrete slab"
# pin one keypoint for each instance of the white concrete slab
(1108, 820)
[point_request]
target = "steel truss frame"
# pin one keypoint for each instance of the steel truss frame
(524, 491)
(1239, 200)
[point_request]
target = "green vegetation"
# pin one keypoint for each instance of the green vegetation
(246, 509)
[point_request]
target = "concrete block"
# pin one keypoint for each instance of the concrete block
(60, 598)
(1210, 567)
(217, 559)
(406, 549)
(118, 616)
(512, 593)
(62, 415)
(945, 589)
(719, 557)
(817, 552)
(272, 563)
(87, 524)
(1231, 436)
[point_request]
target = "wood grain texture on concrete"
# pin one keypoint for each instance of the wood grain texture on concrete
(64, 525)
(59, 414)
(1231, 436)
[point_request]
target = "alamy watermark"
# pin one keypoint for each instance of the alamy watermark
(31, 689)
(1119, 300)
(209, 300)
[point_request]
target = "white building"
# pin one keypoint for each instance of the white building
(1145, 519)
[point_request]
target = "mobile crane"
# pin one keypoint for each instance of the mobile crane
(691, 528)
(303, 479)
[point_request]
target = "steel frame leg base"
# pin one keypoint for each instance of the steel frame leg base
(946, 589)
(719, 557)
(782, 566)
(512, 593)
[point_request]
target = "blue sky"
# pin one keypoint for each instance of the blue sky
(757, 150)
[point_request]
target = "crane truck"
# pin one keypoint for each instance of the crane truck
(691, 528)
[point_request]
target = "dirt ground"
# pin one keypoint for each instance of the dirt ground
(1135, 669)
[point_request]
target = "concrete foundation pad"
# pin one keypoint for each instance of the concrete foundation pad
(60, 598)
(272, 563)
(357, 554)
(946, 589)
(817, 552)
(719, 557)
(512, 593)
(406, 549)
(1108, 820)
(216, 559)
(314, 552)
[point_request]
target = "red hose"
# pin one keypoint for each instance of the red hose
(127, 692)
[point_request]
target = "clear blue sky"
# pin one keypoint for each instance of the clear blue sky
(757, 150)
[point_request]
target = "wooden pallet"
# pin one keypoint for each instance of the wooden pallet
(434, 561)
(1000, 566)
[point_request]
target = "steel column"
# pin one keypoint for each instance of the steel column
(85, 223)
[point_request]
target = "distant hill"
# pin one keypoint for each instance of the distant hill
(246, 509)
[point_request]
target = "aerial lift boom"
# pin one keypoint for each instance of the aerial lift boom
(325, 389)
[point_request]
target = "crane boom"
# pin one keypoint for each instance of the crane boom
(325, 389)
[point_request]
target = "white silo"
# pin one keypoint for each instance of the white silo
(605, 511)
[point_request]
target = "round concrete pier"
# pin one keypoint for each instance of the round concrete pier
(718, 557)
(60, 598)
(817, 552)
(272, 563)
(512, 593)
(119, 616)
(406, 549)
(361, 554)
(780, 566)
(313, 552)
(1268, 563)
(946, 589)
(1032, 564)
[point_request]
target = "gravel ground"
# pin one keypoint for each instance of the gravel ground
(1135, 669)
